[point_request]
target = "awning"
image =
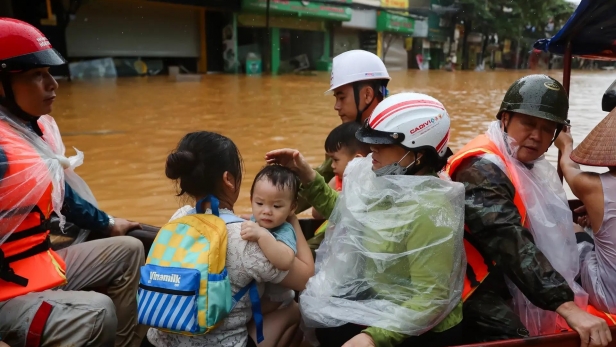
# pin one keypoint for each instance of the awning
(393, 23)
(338, 10)
(591, 31)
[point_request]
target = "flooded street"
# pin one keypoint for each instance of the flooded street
(126, 127)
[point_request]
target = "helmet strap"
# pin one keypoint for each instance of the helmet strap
(559, 128)
(505, 135)
(356, 90)
(10, 103)
(417, 165)
(356, 96)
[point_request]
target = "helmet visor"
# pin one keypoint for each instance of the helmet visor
(376, 137)
(46, 58)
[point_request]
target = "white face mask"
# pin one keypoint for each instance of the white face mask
(395, 168)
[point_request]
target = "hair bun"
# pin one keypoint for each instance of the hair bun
(179, 163)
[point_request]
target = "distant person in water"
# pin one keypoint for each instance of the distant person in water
(359, 83)
(598, 193)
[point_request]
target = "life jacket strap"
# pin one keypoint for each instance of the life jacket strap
(47, 224)
(6, 272)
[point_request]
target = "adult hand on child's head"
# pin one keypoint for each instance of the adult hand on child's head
(294, 160)
(122, 226)
(360, 340)
(251, 231)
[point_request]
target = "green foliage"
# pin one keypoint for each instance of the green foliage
(490, 16)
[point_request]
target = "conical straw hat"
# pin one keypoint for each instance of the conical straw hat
(599, 147)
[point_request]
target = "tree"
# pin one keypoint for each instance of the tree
(509, 18)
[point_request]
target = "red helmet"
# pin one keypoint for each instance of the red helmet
(24, 47)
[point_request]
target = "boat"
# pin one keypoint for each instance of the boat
(589, 33)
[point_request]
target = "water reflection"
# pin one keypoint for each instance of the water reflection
(126, 127)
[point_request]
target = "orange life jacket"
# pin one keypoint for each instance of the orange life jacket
(478, 269)
(338, 183)
(27, 263)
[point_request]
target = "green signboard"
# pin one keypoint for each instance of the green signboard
(303, 8)
(394, 23)
(438, 28)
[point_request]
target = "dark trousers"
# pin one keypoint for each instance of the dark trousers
(338, 336)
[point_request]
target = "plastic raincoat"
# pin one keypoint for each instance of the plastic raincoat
(392, 258)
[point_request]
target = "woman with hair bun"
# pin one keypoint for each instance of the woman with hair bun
(206, 163)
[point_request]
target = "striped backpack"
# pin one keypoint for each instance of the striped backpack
(184, 286)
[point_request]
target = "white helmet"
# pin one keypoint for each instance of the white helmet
(355, 66)
(412, 120)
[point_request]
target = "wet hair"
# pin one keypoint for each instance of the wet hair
(199, 162)
(279, 176)
(343, 137)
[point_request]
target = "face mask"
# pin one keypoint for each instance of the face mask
(394, 169)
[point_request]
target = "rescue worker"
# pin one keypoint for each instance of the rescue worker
(359, 83)
(33, 193)
(502, 230)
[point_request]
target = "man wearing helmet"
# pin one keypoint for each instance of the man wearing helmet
(359, 83)
(34, 192)
(518, 223)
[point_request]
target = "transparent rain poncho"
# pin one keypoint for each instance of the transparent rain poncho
(550, 221)
(42, 162)
(393, 254)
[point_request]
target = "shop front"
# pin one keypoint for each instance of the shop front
(298, 37)
(393, 30)
(358, 33)
(439, 35)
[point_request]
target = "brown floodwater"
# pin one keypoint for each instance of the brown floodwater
(128, 126)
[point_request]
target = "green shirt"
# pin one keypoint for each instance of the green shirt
(325, 170)
(421, 265)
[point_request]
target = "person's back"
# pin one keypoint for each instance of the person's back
(598, 193)
(206, 165)
(232, 330)
(598, 270)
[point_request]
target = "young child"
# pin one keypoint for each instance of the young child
(273, 196)
(342, 146)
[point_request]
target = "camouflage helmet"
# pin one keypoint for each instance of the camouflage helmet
(538, 96)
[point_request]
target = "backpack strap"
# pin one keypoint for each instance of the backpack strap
(255, 301)
(230, 218)
(213, 205)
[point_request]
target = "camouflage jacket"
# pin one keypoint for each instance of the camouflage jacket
(496, 229)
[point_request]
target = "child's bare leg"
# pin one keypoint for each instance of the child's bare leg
(279, 327)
